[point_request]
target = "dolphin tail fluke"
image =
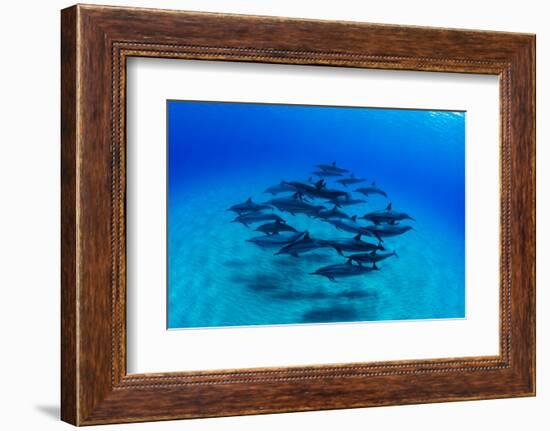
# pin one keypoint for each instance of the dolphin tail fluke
(380, 246)
(374, 265)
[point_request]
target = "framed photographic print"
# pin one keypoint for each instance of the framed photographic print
(268, 215)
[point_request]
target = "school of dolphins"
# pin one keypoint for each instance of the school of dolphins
(358, 251)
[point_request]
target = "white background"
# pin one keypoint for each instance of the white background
(151, 348)
(29, 216)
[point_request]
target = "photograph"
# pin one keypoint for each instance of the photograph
(281, 214)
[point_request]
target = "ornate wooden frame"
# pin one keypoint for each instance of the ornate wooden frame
(96, 41)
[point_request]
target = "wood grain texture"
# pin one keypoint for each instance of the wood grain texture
(69, 367)
(96, 41)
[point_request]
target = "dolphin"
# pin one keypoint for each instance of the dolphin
(294, 205)
(275, 227)
(248, 206)
(331, 168)
(371, 257)
(387, 215)
(372, 190)
(327, 174)
(275, 241)
(386, 230)
(282, 187)
(334, 213)
(343, 201)
(353, 244)
(303, 245)
(350, 225)
(351, 180)
(347, 269)
(256, 217)
(318, 190)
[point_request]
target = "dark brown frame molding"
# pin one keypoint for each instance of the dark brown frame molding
(95, 43)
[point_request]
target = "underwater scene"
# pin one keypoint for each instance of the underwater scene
(298, 214)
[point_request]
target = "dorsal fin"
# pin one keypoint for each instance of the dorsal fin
(249, 200)
(373, 184)
(335, 207)
(306, 235)
(388, 208)
(352, 175)
(319, 184)
(295, 195)
(348, 262)
(333, 163)
(354, 218)
(358, 236)
(309, 180)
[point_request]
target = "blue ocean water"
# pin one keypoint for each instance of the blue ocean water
(220, 154)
